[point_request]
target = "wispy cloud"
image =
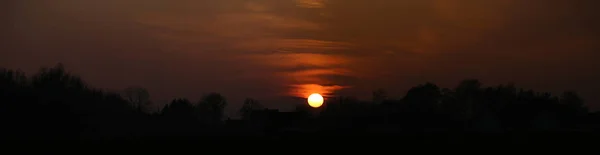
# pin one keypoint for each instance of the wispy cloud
(284, 45)
(304, 90)
(311, 3)
(309, 42)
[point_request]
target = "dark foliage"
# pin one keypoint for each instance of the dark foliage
(53, 104)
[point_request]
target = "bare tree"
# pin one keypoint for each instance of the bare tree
(137, 96)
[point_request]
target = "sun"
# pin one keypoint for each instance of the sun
(315, 100)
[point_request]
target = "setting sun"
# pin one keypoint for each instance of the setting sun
(315, 100)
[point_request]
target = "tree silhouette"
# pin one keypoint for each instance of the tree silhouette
(467, 94)
(379, 96)
(11, 79)
(137, 96)
(56, 78)
(56, 104)
(574, 108)
(179, 109)
(249, 106)
(211, 108)
(424, 98)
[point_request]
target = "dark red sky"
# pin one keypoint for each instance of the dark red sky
(271, 48)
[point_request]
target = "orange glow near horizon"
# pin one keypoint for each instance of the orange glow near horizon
(307, 73)
(305, 90)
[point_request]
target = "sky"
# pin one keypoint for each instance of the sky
(273, 49)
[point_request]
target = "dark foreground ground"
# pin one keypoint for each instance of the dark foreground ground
(331, 137)
(372, 139)
(309, 143)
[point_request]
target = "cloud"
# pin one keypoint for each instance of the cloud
(304, 90)
(310, 3)
(306, 42)
(339, 79)
(305, 67)
(284, 45)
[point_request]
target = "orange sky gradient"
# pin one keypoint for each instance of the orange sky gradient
(269, 49)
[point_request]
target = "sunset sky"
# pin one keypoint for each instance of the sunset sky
(272, 49)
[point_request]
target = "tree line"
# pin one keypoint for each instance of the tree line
(55, 103)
